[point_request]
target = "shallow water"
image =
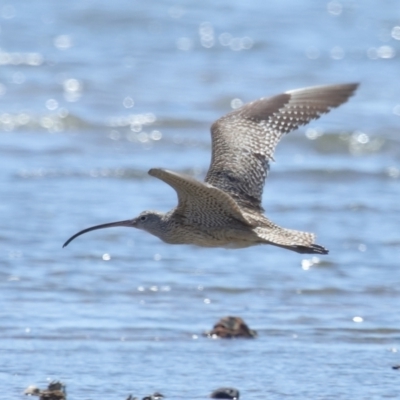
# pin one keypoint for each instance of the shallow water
(93, 94)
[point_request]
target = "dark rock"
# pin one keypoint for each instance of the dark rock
(231, 327)
(55, 391)
(225, 393)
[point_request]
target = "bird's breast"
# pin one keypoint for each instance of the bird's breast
(216, 237)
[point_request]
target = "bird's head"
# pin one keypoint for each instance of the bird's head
(150, 221)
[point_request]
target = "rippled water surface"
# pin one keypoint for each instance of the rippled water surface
(92, 95)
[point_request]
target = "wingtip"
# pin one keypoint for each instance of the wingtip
(352, 86)
(155, 171)
(312, 249)
(317, 249)
(151, 171)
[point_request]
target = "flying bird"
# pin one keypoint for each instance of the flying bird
(225, 210)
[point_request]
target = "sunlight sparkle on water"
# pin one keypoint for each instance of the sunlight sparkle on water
(235, 43)
(362, 247)
(393, 172)
(396, 33)
(32, 59)
(206, 33)
(51, 104)
(334, 8)
(236, 103)
(306, 264)
(128, 102)
(385, 52)
(155, 135)
(72, 89)
(63, 42)
(313, 133)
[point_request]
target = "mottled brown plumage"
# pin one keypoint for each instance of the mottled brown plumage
(226, 210)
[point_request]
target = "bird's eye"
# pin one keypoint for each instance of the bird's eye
(143, 218)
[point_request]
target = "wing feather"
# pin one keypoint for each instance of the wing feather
(199, 202)
(244, 141)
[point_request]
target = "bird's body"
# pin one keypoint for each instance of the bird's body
(214, 221)
(175, 229)
(235, 235)
(226, 210)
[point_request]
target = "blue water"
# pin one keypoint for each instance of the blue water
(92, 95)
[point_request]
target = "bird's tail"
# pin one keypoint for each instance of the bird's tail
(290, 239)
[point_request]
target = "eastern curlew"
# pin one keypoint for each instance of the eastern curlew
(226, 210)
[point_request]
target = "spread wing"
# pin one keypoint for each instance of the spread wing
(200, 203)
(244, 141)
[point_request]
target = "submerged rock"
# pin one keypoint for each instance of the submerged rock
(231, 327)
(225, 393)
(154, 396)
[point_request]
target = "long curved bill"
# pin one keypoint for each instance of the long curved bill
(128, 223)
